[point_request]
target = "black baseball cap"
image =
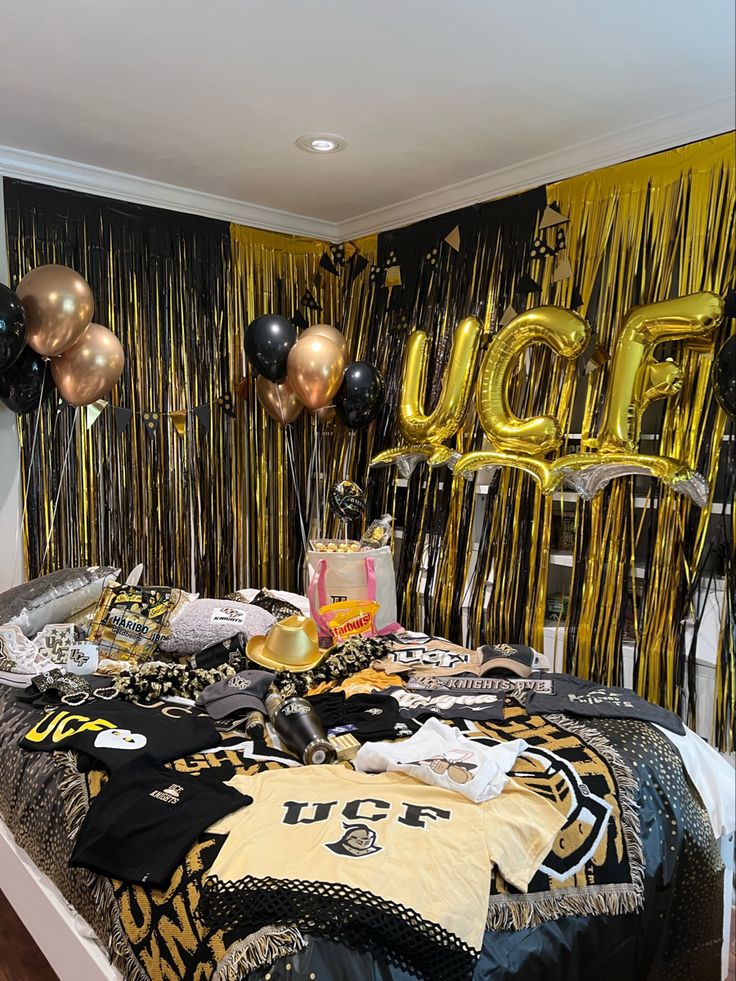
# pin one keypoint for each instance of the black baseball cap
(242, 692)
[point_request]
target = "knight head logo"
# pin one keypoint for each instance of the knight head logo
(358, 841)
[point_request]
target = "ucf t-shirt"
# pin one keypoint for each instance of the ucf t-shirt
(378, 860)
(113, 732)
(142, 823)
(585, 698)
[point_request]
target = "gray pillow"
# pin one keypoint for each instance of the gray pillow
(54, 598)
(206, 621)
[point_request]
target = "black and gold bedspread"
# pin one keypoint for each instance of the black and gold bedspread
(633, 887)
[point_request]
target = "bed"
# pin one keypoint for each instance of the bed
(90, 927)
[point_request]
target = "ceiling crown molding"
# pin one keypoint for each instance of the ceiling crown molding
(686, 126)
(695, 123)
(42, 169)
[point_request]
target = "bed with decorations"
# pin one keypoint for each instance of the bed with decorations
(206, 793)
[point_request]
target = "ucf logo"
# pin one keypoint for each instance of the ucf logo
(358, 841)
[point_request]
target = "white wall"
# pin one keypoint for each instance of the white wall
(11, 570)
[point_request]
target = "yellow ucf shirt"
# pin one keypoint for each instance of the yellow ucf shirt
(376, 860)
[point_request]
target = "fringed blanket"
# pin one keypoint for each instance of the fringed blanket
(616, 781)
(596, 865)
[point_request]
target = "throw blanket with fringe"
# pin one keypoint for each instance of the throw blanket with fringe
(614, 779)
(596, 865)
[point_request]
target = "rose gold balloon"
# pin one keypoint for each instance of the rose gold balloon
(58, 305)
(315, 369)
(278, 399)
(331, 333)
(90, 368)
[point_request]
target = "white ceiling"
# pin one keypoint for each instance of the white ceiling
(430, 94)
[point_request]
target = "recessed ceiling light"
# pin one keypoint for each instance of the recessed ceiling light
(321, 143)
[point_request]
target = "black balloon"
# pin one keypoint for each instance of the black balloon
(360, 397)
(12, 327)
(268, 341)
(724, 377)
(21, 385)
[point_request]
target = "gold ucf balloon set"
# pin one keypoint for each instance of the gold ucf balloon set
(53, 308)
(636, 379)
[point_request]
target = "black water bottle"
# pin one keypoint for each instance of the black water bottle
(299, 728)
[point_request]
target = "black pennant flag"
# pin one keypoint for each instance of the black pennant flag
(528, 285)
(121, 417)
(203, 413)
(308, 300)
(151, 423)
(576, 300)
(300, 321)
(357, 264)
(227, 404)
(327, 264)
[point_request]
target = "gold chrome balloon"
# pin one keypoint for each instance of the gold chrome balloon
(90, 368)
(563, 331)
(58, 305)
(331, 333)
(457, 386)
(315, 370)
(636, 377)
(278, 399)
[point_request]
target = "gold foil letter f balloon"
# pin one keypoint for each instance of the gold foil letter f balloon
(636, 377)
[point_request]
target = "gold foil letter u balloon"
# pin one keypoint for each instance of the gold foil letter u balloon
(562, 330)
(637, 378)
(457, 387)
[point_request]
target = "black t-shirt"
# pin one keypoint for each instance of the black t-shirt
(368, 716)
(112, 732)
(586, 698)
(144, 820)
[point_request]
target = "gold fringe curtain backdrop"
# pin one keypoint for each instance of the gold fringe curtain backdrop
(641, 232)
(637, 233)
(271, 273)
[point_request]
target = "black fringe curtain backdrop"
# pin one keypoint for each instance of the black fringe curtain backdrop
(161, 283)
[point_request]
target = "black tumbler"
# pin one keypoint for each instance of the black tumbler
(299, 727)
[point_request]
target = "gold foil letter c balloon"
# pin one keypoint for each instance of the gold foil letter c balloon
(562, 330)
(90, 368)
(457, 386)
(278, 399)
(636, 377)
(58, 305)
(315, 369)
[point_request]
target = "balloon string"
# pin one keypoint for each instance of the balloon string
(30, 468)
(290, 458)
(61, 484)
(317, 476)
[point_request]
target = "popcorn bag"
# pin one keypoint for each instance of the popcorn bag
(365, 576)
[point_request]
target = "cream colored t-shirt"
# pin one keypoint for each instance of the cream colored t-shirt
(412, 844)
